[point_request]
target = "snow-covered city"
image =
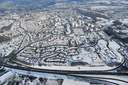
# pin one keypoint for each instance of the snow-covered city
(63, 42)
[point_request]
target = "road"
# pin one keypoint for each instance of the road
(113, 78)
(62, 71)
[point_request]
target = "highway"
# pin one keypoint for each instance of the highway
(113, 78)
(65, 72)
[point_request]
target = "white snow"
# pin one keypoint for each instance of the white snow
(125, 21)
(72, 82)
(114, 47)
(6, 76)
(76, 68)
(107, 22)
(51, 82)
